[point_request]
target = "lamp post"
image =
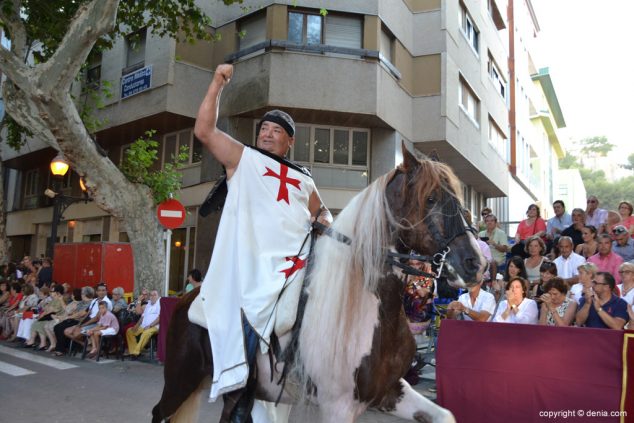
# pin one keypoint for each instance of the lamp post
(59, 168)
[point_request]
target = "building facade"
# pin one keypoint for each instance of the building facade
(359, 78)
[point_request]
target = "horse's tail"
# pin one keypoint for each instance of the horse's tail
(188, 363)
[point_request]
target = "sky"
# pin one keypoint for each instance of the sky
(588, 47)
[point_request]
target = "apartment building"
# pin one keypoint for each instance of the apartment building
(359, 77)
(535, 117)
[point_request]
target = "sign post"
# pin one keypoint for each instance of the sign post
(171, 214)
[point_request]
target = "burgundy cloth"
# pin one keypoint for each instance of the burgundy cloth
(628, 364)
(500, 372)
(167, 308)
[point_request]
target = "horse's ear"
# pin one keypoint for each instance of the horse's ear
(434, 157)
(410, 161)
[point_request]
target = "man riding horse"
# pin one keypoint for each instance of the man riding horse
(261, 244)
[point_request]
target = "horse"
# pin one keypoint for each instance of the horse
(352, 344)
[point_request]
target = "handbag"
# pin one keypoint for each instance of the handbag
(45, 318)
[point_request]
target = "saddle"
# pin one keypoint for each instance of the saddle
(285, 310)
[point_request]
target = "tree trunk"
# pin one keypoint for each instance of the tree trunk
(4, 241)
(39, 98)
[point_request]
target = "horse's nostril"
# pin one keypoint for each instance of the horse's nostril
(472, 263)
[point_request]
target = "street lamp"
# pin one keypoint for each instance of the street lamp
(59, 168)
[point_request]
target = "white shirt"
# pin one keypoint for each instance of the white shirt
(527, 313)
(567, 268)
(598, 218)
(629, 297)
(485, 301)
(151, 313)
(557, 222)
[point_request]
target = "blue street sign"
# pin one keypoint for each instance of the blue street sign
(136, 82)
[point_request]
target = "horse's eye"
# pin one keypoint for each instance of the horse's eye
(431, 200)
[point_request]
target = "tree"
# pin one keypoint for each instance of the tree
(596, 146)
(37, 96)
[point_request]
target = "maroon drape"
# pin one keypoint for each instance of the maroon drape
(627, 399)
(497, 372)
(167, 308)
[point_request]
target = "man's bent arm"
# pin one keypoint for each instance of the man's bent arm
(314, 204)
(223, 147)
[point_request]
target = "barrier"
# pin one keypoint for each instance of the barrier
(498, 372)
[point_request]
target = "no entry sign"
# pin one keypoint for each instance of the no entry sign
(171, 213)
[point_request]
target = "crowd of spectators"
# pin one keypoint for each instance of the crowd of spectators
(573, 270)
(38, 313)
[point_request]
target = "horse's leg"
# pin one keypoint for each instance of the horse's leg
(188, 362)
(411, 405)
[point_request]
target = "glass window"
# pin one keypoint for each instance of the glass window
(301, 148)
(304, 28)
(252, 30)
(340, 147)
(469, 102)
(295, 27)
(468, 28)
(169, 148)
(313, 29)
(197, 151)
(136, 48)
(321, 145)
(359, 148)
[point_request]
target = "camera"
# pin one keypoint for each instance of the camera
(484, 238)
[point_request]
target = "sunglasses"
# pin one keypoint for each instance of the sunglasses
(598, 283)
(592, 201)
(624, 271)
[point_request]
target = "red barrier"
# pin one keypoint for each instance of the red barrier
(498, 372)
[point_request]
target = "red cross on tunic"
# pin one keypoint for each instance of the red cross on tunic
(297, 264)
(282, 194)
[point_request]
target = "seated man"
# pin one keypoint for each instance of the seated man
(623, 244)
(574, 230)
(568, 262)
(498, 244)
(477, 304)
(599, 307)
(146, 327)
(107, 325)
(606, 260)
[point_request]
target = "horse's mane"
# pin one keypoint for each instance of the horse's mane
(343, 306)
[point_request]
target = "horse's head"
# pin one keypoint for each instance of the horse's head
(424, 198)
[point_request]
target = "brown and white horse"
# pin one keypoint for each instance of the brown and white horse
(354, 345)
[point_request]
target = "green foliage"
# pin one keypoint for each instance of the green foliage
(569, 162)
(94, 97)
(596, 146)
(323, 12)
(16, 135)
(139, 159)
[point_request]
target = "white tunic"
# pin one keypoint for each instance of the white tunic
(264, 222)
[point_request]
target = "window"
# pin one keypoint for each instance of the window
(135, 45)
(496, 76)
(497, 140)
(337, 156)
(386, 46)
(252, 30)
(93, 72)
(468, 28)
(31, 182)
(469, 102)
(172, 143)
(304, 28)
(343, 31)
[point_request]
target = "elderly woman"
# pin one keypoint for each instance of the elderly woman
(587, 272)
(533, 225)
(69, 309)
(118, 302)
(23, 319)
(517, 308)
(626, 288)
(55, 306)
(590, 245)
(557, 309)
(4, 293)
(81, 311)
(535, 248)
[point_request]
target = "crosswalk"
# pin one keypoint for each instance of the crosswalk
(30, 357)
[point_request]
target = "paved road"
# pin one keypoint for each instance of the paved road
(37, 387)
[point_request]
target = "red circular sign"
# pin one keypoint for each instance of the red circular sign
(171, 213)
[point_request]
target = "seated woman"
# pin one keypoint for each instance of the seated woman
(532, 225)
(69, 309)
(118, 302)
(626, 287)
(547, 271)
(517, 308)
(557, 310)
(15, 298)
(535, 248)
(590, 245)
(514, 268)
(4, 293)
(55, 306)
(587, 273)
(87, 295)
(21, 322)
(627, 220)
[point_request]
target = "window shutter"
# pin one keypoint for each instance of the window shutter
(343, 31)
(254, 31)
